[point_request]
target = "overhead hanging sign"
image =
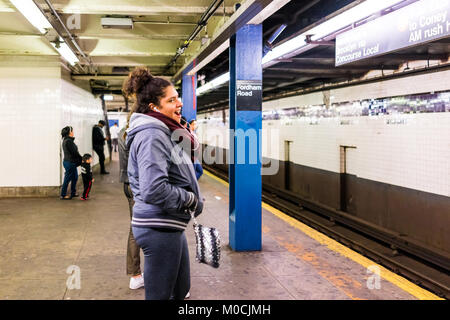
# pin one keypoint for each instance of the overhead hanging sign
(420, 22)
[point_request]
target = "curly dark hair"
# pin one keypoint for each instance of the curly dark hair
(145, 88)
(66, 131)
(86, 157)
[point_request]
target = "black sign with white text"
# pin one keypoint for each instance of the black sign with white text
(248, 95)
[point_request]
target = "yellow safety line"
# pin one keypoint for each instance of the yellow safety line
(393, 278)
(209, 174)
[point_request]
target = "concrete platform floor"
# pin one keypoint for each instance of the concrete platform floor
(40, 238)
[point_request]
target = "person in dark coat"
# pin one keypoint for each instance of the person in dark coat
(98, 142)
(72, 159)
(133, 250)
(197, 165)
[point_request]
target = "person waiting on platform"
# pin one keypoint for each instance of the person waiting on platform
(72, 159)
(133, 250)
(114, 131)
(86, 174)
(193, 126)
(197, 165)
(98, 141)
(184, 122)
(165, 190)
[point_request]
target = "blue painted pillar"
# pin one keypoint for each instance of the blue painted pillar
(245, 139)
(189, 98)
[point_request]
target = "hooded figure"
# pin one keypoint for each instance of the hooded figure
(163, 183)
(161, 175)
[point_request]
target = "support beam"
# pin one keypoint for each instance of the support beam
(189, 86)
(313, 73)
(134, 8)
(278, 76)
(105, 77)
(288, 83)
(258, 10)
(245, 133)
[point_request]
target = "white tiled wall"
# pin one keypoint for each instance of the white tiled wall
(414, 155)
(431, 82)
(35, 104)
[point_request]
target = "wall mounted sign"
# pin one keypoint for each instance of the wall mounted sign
(418, 23)
(248, 95)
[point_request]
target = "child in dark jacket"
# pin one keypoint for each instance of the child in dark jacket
(86, 174)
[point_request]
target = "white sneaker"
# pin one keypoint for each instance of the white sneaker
(137, 282)
(187, 295)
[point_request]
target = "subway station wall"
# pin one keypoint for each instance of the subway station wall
(36, 102)
(411, 150)
(398, 173)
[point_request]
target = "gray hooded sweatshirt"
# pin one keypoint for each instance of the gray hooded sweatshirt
(161, 176)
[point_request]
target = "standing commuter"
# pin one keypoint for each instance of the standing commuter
(72, 159)
(114, 131)
(133, 250)
(86, 174)
(193, 126)
(197, 165)
(164, 188)
(184, 122)
(98, 142)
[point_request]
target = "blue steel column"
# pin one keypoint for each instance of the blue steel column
(245, 178)
(189, 98)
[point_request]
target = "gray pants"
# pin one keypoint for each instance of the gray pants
(166, 266)
(115, 143)
(133, 250)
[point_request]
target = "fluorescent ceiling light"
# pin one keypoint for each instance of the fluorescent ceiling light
(66, 52)
(342, 20)
(224, 78)
(29, 9)
(117, 23)
(355, 14)
(108, 97)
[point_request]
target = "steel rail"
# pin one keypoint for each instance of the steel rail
(72, 39)
(419, 271)
(200, 24)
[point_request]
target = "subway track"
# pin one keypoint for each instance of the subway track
(424, 269)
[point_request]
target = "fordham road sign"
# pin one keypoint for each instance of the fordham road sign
(248, 95)
(420, 22)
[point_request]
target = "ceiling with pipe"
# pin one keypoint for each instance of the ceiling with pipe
(167, 34)
(159, 29)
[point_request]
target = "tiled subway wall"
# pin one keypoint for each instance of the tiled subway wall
(402, 105)
(400, 140)
(35, 104)
(29, 102)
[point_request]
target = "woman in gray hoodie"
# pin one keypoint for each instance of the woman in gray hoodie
(163, 183)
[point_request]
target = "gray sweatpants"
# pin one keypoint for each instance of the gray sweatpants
(166, 263)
